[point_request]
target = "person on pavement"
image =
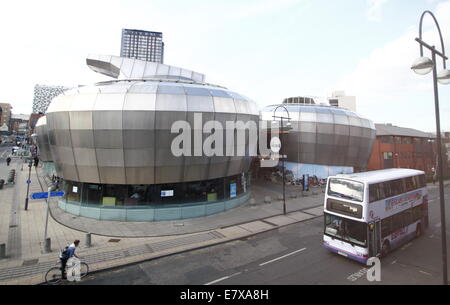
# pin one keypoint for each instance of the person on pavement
(8, 160)
(65, 255)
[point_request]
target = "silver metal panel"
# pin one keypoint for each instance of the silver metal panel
(85, 157)
(88, 174)
(139, 102)
(84, 101)
(108, 139)
(171, 102)
(224, 105)
(80, 119)
(112, 175)
(200, 103)
(139, 157)
(144, 120)
(162, 70)
(150, 68)
(107, 120)
(62, 137)
(110, 157)
(138, 139)
(82, 138)
(109, 101)
(140, 175)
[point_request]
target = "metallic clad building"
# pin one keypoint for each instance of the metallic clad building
(42, 139)
(116, 135)
(325, 135)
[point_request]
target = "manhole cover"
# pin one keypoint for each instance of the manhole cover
(13, 226)
(114, 240)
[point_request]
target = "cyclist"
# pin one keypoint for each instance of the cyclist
(66, 254)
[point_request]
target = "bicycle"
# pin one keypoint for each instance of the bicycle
(54, 276)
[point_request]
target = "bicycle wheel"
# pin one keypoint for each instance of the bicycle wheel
(53, 276)
(84, 269)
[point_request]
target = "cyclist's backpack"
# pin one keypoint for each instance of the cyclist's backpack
(64, 253)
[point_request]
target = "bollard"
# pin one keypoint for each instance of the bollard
(2, 251)
(48, 245)
(88, 240)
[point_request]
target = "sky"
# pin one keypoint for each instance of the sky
(266, 50)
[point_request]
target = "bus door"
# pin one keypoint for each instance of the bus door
(374, 238)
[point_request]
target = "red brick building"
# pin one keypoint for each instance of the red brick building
(398, 147)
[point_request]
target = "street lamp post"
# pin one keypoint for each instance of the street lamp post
(282, 118)
(424, 65)
(30, 165)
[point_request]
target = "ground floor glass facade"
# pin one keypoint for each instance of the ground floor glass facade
(115, 195)
(297, 170)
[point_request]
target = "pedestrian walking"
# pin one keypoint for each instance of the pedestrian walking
(8, 160)
(36, 161)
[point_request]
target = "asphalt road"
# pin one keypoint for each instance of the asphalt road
(289, 255)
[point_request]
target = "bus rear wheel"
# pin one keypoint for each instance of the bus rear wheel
(418, 230)
(385, 249)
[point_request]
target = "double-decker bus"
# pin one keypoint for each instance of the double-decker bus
(368, 214)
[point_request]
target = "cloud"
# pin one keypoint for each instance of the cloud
(374, 9)
(388, 91)
(250, 9)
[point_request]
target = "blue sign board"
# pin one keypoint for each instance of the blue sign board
(44, 195)
(233, 190)
(28, 181)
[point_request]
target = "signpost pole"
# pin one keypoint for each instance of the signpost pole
(28, 184)
(46, 218)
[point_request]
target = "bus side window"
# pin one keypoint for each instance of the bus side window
(397, 222)
(386, 227)
(380, 188)
(387, 188)
(417, 212)
(423, 181)
(373, 192)
(409, 182)
(408, 217)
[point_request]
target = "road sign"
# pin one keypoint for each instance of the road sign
(44, 195)
(28, 181)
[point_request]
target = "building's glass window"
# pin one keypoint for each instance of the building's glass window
(171, 193)
(387, 139)
(73, 191)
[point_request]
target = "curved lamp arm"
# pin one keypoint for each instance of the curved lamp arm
(439, 30)
(275, 111)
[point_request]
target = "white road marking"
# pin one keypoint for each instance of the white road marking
(393, 262)
(355, 276)
(425, 273)
(438, 225)
(223, 278)
(278, 258)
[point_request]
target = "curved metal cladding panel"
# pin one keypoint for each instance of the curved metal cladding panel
(326, 135)
(42, 139)
(120, 132)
